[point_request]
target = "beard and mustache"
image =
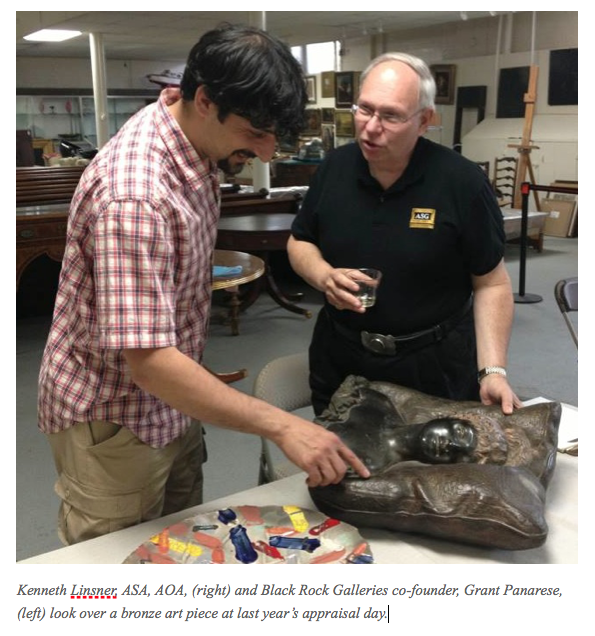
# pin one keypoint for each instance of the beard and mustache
(231, 167)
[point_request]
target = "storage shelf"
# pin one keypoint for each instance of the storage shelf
(44, 112)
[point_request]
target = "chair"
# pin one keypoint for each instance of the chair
(505, 179)
(283, 382)
(566, 293)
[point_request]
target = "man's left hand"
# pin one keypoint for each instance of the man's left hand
(494, 389)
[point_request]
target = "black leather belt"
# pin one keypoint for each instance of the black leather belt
(387, 345)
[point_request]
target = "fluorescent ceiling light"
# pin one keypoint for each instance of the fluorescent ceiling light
(52, 35)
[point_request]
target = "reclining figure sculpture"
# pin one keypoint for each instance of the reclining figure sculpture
(455, 470)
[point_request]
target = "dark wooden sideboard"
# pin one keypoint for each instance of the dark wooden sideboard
(38, 185)
(40, 230)
(293, 173)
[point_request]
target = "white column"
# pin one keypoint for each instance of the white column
(99, 88)
(507, 47)
(261, 172)
(494, 98)
(533, 28)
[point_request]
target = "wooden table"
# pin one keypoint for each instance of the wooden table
(40, 229)
(535, 226)
(260, 234)
(252, 268)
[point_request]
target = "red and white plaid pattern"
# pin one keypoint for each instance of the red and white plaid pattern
(136, 273)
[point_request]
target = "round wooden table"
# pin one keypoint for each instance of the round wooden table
(260, 234)
(252, 266)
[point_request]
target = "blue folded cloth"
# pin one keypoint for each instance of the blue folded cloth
(220, 270)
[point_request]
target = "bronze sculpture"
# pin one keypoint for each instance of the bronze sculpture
(483, 477)
(375, 431)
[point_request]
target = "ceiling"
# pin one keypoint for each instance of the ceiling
(169, 35)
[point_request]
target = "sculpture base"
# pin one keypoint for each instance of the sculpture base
(496, 500)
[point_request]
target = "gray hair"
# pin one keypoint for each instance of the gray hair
(427, 85)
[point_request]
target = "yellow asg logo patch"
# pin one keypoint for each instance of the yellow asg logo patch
(423, 218)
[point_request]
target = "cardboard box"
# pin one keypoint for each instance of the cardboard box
(561, 217)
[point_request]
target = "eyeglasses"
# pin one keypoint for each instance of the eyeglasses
(387, 120)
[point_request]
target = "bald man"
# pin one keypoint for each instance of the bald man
(428, 219)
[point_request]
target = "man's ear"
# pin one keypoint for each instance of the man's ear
(202, 103)
(427, 117)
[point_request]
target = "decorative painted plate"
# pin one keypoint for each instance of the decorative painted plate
(252, 534)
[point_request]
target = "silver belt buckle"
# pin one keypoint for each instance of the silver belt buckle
(379, 343)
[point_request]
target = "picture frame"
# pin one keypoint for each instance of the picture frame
(328, 137)
(444, 76)
(313, 122)
(328, 116)
(327, 81)
(344, 123)
(311, 88)
(563, 78)
(346, 88)
(512, 87)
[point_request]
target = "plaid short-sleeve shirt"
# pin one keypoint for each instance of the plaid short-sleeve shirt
(136, 273)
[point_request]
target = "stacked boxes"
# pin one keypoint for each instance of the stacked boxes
(562, 208)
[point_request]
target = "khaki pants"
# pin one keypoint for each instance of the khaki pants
(109, 479)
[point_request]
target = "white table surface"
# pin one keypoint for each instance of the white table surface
(387, 546)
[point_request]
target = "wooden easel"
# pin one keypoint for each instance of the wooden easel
(525, 147)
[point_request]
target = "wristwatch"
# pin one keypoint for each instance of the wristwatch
(489, 370)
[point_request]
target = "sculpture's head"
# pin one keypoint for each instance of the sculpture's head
(446, 441)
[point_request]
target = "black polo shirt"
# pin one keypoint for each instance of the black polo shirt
(428, 233)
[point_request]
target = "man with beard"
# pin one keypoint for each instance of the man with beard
(121, 386)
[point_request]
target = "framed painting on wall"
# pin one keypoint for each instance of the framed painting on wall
(327, 79)
(512, 86)
(344, 124)
(444, 76)
(346, 88)
(328, 137)
(563, 79)
(313, 121)
(328, 115)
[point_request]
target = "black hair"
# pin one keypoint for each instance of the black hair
(248, 72)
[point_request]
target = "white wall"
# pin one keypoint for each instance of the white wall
(472, 46)
(35, 72)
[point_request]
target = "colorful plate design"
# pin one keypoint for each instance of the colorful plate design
(253, 534)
